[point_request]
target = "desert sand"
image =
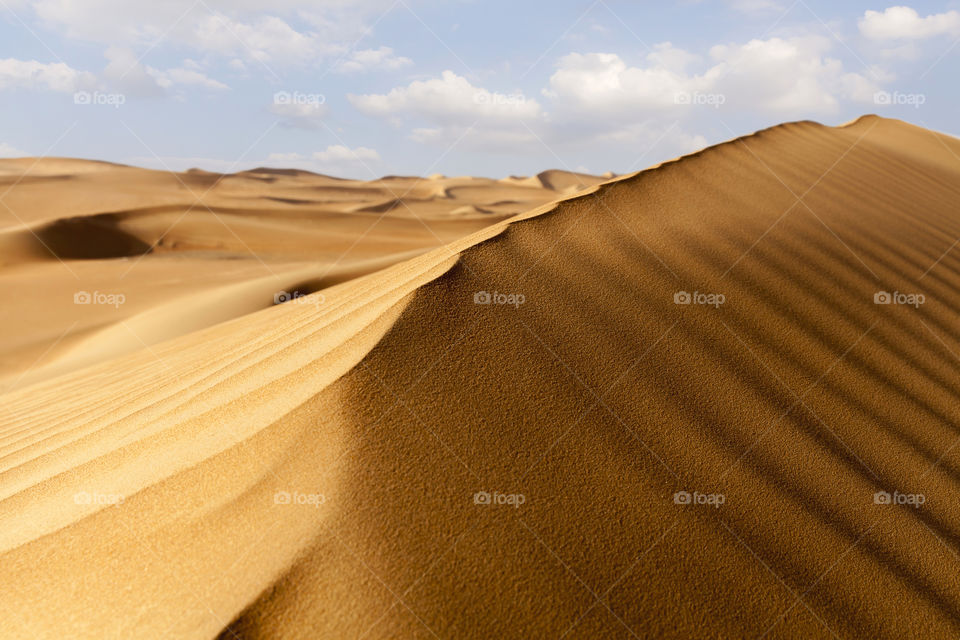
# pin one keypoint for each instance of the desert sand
(522, 432)
(190, 250)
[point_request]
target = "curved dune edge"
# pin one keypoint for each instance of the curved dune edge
(340, 306)
(138, 448)
(408, 554)
(219, 407)
(83, 225)
(226, 423)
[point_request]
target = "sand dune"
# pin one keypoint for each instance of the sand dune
(215, 246)
(527, 433)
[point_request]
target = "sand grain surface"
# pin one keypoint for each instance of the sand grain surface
(402, 461)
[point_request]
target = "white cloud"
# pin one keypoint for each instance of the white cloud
(905, 23)
(593, 105)
(9, 151)
(907, 51)
(670, 57)
(109, 21)
(301, 115)
(777, 75)
(267, 39)
(786, 76)
(449, 99)
(373, 59)
(30, 74)
(598, 97)
(604, 85)
(455, 110)
(126, 73)
(182, 76)
(281, 31)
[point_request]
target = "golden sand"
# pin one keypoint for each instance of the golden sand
(526, 433)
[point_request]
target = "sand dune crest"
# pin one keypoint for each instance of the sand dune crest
(663, 406)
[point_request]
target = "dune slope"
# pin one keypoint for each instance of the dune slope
(584, 456)
(199, 248)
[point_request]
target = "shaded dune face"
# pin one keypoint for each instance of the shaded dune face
(90, 238)
(598, 398)
(529, 434)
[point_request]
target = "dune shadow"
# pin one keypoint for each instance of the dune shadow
(96, 237)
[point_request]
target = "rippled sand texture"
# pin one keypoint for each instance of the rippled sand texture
(401, 461)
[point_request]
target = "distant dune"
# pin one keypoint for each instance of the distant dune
(198, 248)
(716, 398)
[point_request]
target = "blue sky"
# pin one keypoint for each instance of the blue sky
(373, 87)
